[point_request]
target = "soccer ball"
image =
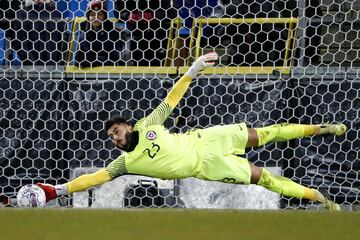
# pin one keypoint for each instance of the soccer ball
(31, 196)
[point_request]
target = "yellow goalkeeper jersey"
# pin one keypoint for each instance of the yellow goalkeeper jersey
(159, 153)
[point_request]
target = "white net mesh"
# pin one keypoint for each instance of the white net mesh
(64, 74)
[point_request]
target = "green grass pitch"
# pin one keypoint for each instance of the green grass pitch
(172, 224)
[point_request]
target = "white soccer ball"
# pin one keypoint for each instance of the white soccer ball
(31, 196)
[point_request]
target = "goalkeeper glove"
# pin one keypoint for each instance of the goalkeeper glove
(50, 190)
(204, 61)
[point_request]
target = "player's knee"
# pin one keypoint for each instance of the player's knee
(256, 173)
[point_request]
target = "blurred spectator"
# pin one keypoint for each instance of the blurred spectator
(36, 34)
(148, 21)
(102, 43)
(38, 9)
(189, 9)
(253, 44)
(7, 14)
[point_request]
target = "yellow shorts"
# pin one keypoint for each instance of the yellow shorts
(220, 145)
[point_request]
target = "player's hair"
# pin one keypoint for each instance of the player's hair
(114, 120)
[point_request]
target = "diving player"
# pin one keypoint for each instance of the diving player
(209, 154)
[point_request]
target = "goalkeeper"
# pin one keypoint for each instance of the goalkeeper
(209, 154)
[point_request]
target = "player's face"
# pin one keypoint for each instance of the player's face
(120, 135)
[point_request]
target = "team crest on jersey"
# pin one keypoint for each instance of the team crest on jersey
(151, 135)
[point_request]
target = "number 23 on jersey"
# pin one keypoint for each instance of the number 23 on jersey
(153, 150)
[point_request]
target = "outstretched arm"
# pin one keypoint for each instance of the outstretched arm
(115, 169)
(86, 181)
(159, 115)
(78, 184)
(181, 86)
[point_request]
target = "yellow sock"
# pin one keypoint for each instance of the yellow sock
(285, 132)
(283, 185)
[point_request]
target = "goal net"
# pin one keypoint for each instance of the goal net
(63, 75)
